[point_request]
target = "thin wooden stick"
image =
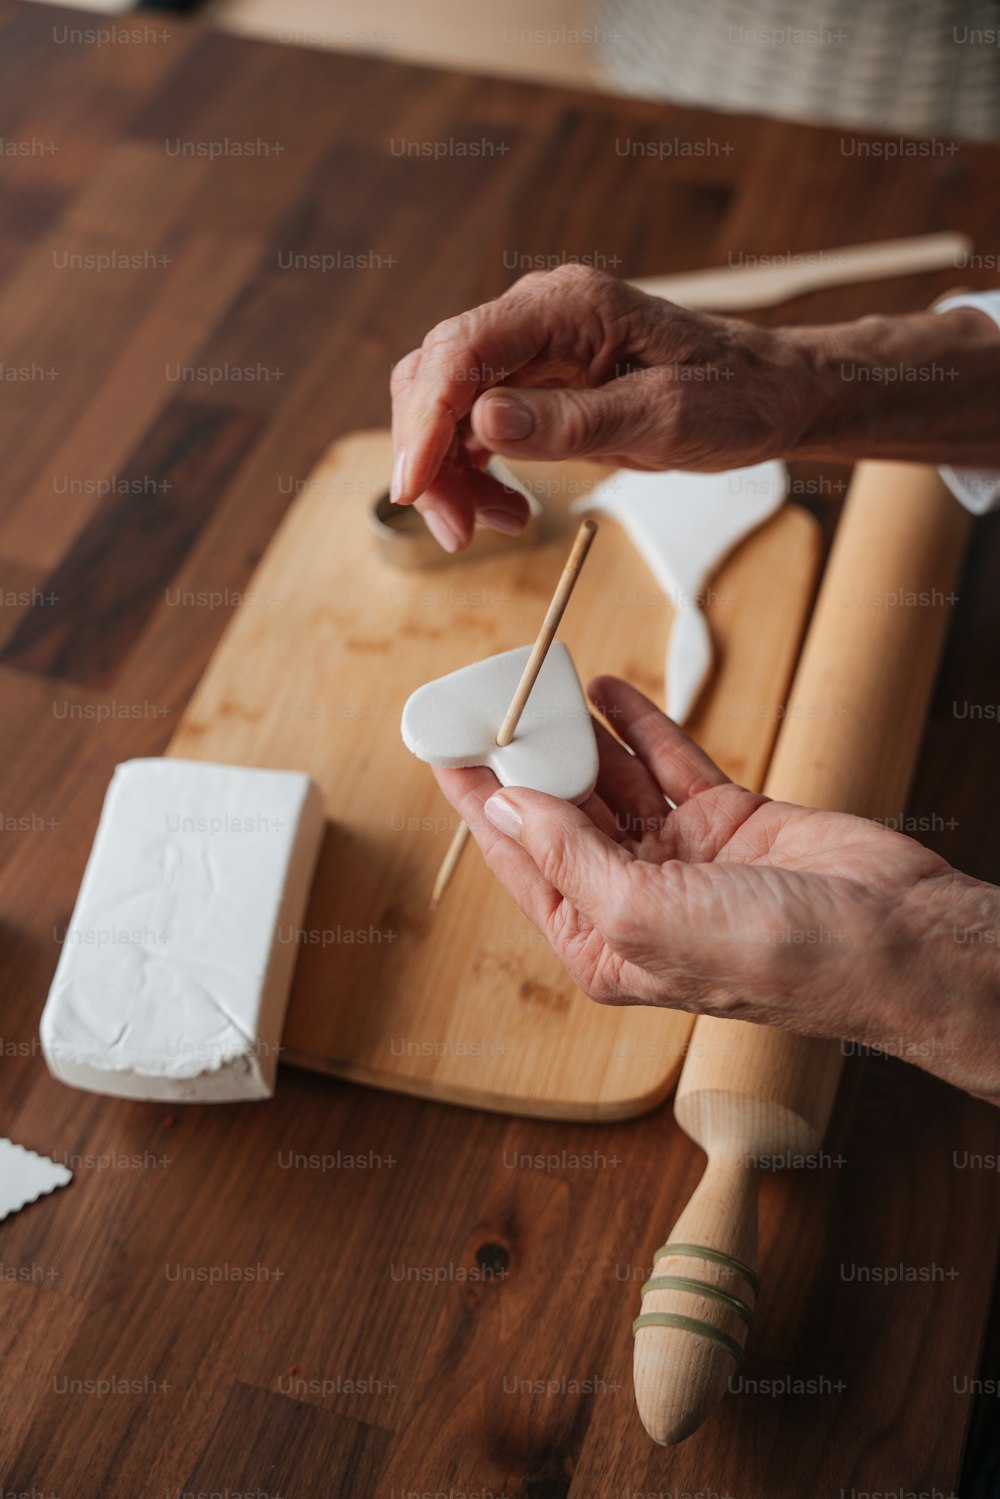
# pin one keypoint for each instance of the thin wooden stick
(533, 665)
(450, 863)
(550, 624)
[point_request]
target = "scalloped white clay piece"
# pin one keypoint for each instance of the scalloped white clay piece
(25, 1176)
(684, 526)
(453, 722)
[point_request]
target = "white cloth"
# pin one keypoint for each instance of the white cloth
(978, 489)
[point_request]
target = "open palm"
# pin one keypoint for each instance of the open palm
(724, 902)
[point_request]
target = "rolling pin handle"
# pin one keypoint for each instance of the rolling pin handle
(698, 1305)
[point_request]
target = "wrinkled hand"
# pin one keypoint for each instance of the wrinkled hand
(572, 363)
(730, 904)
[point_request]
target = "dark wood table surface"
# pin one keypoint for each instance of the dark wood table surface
(379, 1330)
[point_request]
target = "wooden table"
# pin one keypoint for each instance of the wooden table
(375, 1324)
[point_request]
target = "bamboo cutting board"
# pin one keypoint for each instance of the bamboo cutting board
(468, 1005)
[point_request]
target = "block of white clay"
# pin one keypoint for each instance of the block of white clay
(684, 526)
(175, 969)
(454, 720)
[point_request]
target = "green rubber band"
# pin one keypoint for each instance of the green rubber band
(689, 1324)
(700, 1288)
(699, 1252)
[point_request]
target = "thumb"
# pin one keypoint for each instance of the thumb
(617, 418)
(586, 867)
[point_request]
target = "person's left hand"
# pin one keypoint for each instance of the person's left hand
(731, 904)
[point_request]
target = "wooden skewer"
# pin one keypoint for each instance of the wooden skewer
(550, 624)
(449, 863)
(533, 665)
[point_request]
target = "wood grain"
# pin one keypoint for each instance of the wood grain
(553, 1242)
(143, 530)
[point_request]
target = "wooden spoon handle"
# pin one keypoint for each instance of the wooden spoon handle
(733, 288)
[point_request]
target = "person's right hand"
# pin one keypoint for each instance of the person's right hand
(572, 363)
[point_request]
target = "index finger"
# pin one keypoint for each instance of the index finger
(434, 387)
(680, 767)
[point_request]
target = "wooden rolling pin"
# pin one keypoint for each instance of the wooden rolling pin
(849, 743)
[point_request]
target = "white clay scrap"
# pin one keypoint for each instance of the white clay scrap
(454, 720)
(684, 525)
(509, 480)
(25, 1176)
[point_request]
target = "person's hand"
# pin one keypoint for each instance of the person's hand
(730, 904)
(572, 363)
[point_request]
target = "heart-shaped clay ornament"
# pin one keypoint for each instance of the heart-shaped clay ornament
(454, 721)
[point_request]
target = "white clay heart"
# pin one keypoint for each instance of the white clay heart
(454, 720)
(684, 525)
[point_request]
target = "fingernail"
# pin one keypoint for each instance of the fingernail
(397, 485)
(509, 418)
(504, 815)
(442, 530)
(502, 520)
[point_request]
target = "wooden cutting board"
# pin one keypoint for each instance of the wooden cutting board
(468, 1005)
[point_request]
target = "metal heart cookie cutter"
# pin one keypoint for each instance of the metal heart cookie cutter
(403, 540)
